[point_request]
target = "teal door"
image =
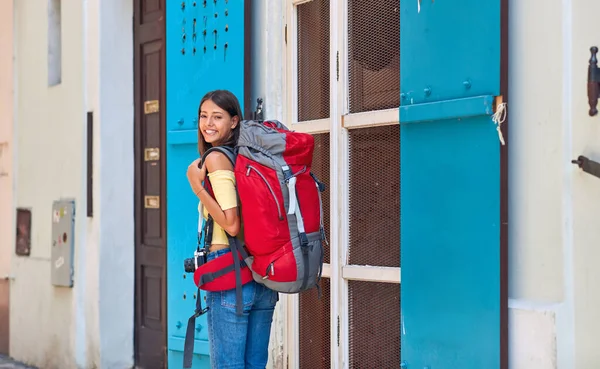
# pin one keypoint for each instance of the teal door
(453, 305)
(205, 51)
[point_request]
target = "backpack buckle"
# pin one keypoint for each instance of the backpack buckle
(287, 173)
(303, 239)
(201, 312)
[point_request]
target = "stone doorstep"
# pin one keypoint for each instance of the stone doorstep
(8, 363)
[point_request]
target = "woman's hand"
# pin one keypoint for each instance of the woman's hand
(196, 175)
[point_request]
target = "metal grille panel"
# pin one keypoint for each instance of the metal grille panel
(315, 321)
(374, 325)
(374, 54)
(321, 169)
(313, 60)
(375, 196)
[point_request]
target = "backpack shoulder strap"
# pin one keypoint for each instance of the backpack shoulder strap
(228, 151)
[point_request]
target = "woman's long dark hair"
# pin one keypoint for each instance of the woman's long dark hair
(227, 101)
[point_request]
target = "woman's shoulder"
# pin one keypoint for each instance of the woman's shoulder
(216, 160)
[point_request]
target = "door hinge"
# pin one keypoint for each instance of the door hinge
(338, 331)
(337, 65)
(285, 34)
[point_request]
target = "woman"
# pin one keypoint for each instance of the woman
(235, 341)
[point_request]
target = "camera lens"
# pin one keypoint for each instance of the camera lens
(189, 266)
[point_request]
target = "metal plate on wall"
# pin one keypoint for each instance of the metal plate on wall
(63, 224)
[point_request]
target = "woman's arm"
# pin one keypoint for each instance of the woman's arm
(229, 219)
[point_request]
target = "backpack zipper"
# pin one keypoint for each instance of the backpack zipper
(250, 167)
(270, 268)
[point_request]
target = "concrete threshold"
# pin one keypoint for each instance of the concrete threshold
(8, 363)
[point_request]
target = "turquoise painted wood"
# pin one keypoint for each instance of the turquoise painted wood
(450, 184)
(205, 51)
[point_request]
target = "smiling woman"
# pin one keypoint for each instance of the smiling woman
(241, 337)
(218, 116)
(216, 125)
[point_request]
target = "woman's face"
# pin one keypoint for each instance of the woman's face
(215, 123)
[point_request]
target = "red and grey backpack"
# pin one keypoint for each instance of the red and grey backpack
(282, 215)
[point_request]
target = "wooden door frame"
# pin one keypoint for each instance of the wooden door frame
(138, 159)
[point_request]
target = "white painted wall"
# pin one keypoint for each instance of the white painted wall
(268, 73)
(554, 207)
(115, 183)
(537, 171)
(90, 325)
(6, 158)
(109, 289)
(6, 135)
(585, 189)
(49, 125)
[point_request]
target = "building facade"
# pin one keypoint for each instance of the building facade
(497, 241)
(6, 164)
(70, 292)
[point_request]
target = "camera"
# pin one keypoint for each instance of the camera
(191, 264)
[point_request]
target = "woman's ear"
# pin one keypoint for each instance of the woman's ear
(235, 120)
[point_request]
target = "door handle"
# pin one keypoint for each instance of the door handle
(593, 83)
(587, 165)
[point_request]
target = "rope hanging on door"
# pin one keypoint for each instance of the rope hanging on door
(498, 118)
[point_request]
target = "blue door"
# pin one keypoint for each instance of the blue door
(205, 51)
(452, 300)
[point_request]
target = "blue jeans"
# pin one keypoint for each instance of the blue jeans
(240, 342)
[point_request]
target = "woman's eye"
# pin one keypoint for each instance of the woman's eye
(203, 117)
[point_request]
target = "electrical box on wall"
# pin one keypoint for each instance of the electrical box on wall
(63, 225)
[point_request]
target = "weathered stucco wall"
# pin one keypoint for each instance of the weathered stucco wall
(92, 324)
(6, 166)
(268, 76)
(585, 190)
(49, 125)
(537, 172)
(115, 181)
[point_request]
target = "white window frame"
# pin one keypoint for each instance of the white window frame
(338, 124)
(312, 126)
